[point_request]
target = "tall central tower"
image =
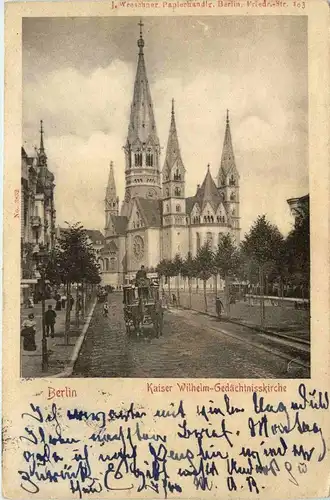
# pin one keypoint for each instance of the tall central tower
(142, 148)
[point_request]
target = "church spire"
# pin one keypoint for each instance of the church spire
(142, 148)
(42, 157)
(142, 125)
(42, 149)
(173, 154)
(111, 198)
(228, 158)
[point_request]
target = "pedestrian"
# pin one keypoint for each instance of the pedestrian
(174, 300)
(50, 319)
(63, 301)
(58, 302)
(28, 333)
(218, 307)
(105, 310)
(71, 302)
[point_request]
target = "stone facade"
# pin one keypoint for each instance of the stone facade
(37, 210)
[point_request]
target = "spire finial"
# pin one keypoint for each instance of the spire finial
(42, 149)
(208, 167)
(172, 107)
(140, 40)
(227, 119)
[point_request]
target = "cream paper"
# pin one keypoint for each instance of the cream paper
(137, 438)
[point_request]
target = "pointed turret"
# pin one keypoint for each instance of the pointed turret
(208, 192)
(42, 157)
(228, 181)
(142, 125)
(173, 154)
(111, 198)
(142, 148)
(227, 164)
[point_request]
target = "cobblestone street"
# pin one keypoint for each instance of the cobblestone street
(192, 345)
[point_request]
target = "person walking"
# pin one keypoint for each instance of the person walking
(50, 319)
(58, 305)
(218, 307)
(71, 302)
(63, 301)
(28, 333)
(105, 310)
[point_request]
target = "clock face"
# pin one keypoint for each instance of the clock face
(138, 247)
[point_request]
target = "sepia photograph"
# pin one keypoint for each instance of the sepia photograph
(165, 229)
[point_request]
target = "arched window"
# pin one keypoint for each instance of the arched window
(212, 219)
(232, 196)
(205, 219)
(106, 261)
(149, 159)
(178, 208)
(177, 191)
(113, 264)
(233, 212)
(167, 208)
(177, 175)
(232, 181)
(138, 159)
(167, 191)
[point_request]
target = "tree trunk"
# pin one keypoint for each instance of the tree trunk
(262, 300)
(77, 306)
(169, 289)
(227, 294)
(178, 288)
(205, 297)
(189, 286)
(216, 285)
(82, 299)
(67, 314)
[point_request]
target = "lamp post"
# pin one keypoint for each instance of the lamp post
(41, 258)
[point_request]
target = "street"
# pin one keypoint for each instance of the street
(192, 346)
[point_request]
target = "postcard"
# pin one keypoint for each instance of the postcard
(166, 250)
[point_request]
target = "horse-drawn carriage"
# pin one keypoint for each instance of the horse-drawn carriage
(143, 312)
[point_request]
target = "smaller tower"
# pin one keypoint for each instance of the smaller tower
(228, 182)
(42, 157)
(174, 203)
(111, 201)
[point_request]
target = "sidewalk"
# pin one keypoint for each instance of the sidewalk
(59, 353)
(278, 319)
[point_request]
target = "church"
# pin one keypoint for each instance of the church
(156, 220)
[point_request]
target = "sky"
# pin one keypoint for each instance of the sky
(78, 77)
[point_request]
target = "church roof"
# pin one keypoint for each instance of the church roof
(120, 224)
(111, 193)
(150, 211)
(190, 202)
(142, 125)
(227, 159)
(173, 153)
(95, 235)
(208, 192)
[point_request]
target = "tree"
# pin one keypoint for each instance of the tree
(165, 268)
(297, 248)
(263, 245)
(177, 267)
(227, 263)
(205, 266)
(72, 261)
(189, 270)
